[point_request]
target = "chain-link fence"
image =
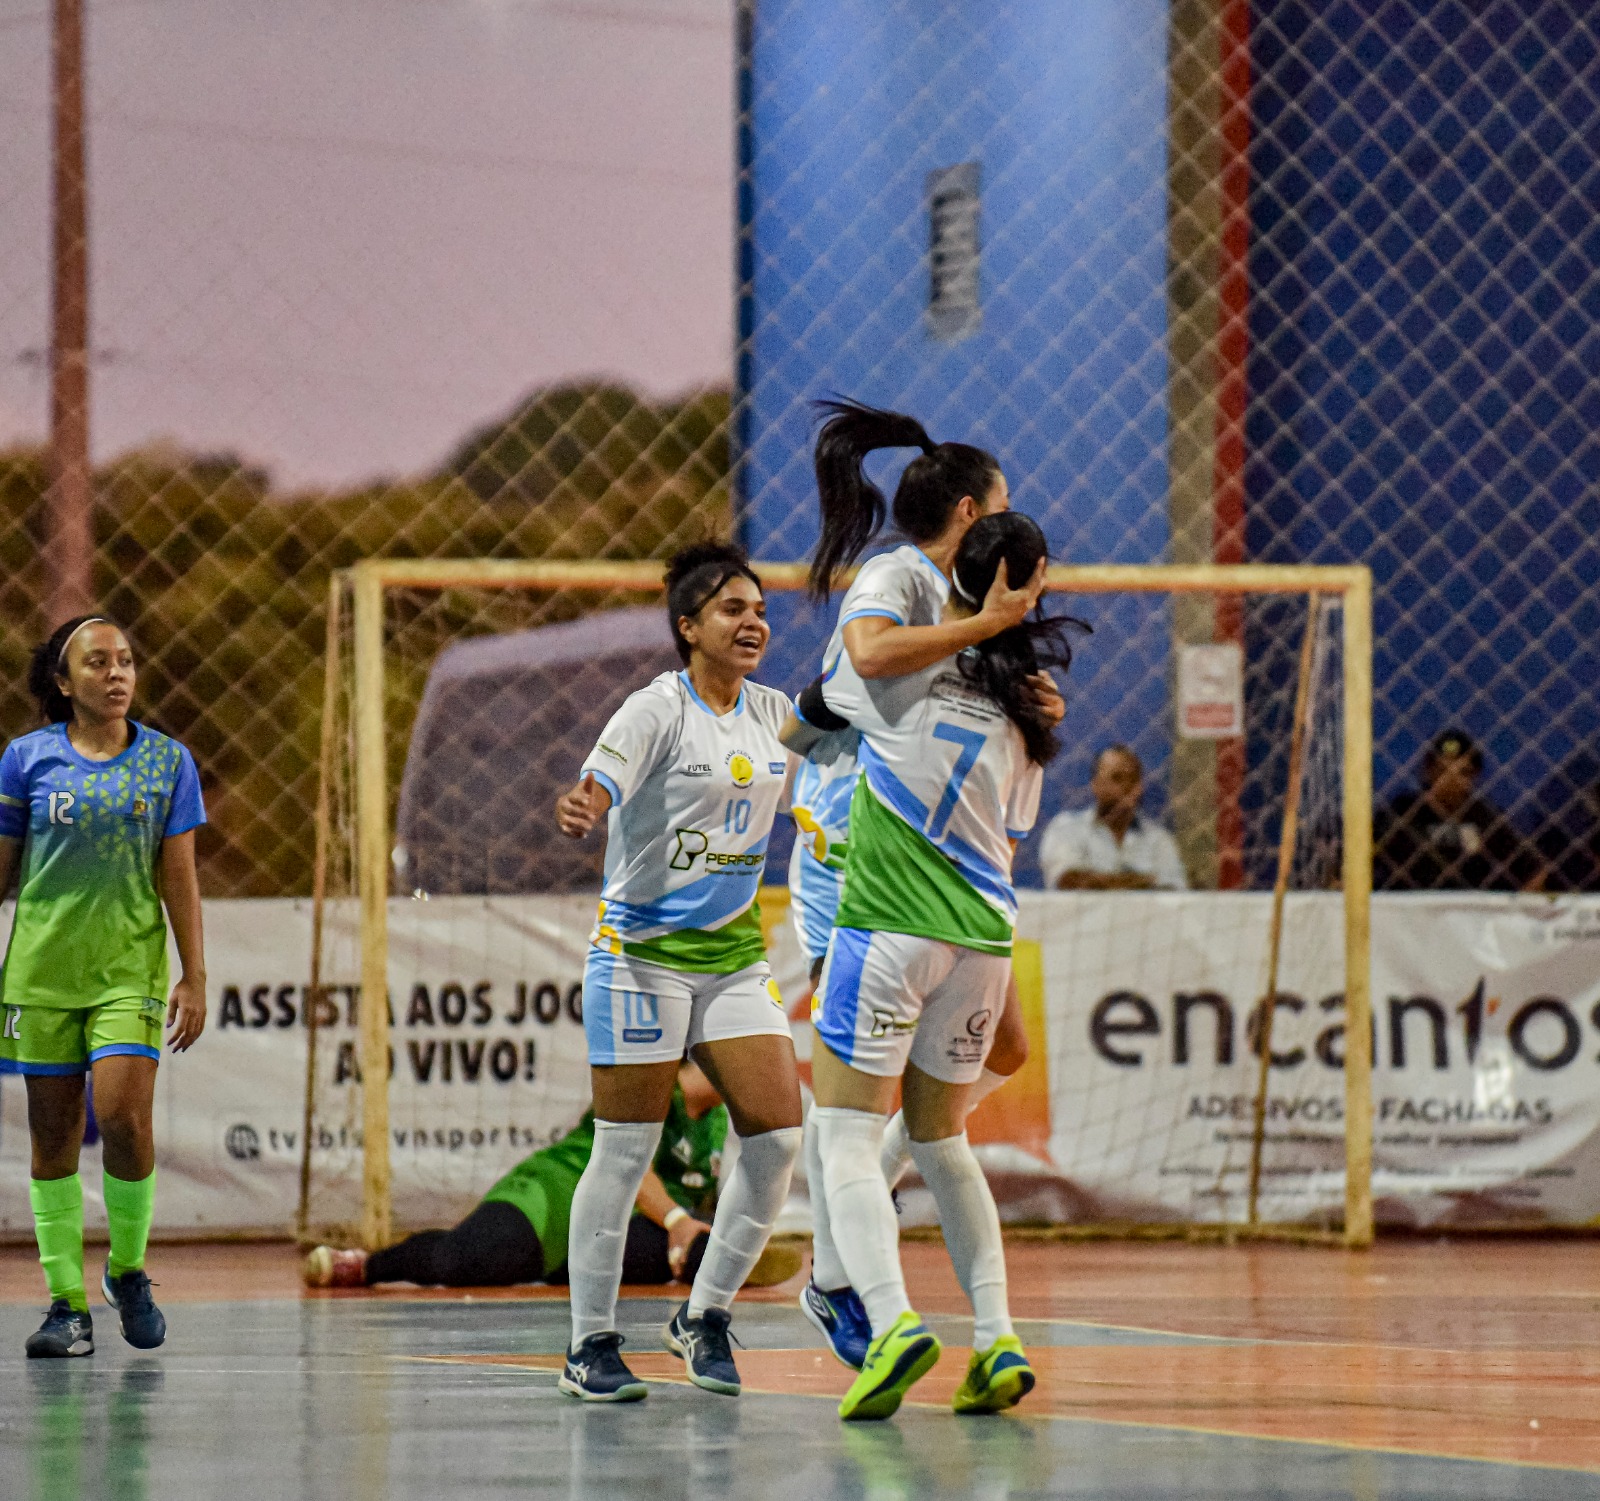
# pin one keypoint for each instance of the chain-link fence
(1218, 281)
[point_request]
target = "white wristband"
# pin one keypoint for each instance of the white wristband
(676, 1213)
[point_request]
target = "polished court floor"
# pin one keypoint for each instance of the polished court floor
(1421, 1370)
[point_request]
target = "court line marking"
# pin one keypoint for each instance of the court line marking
(1344, 1445)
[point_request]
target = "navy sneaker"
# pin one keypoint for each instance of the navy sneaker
(142, 1324)
(595, 1372)
(704, 1344)
(841, 1319)
(64, 1333)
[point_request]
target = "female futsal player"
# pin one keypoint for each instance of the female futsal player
(103, 811)
(518, 1233)
(689, 772)
(893, 620)
(919, 962)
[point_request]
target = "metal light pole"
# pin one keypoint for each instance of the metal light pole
(69, 518)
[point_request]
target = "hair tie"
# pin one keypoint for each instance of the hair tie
(61, 656)
(960, 588)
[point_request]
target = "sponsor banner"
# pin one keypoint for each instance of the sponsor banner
(1486, 1038)
(487, 1055)
(1142, 1011)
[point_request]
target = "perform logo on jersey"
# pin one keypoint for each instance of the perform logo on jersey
(742, 769)
(690, 846)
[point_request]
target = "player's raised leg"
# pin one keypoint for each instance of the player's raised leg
(1007, 1054)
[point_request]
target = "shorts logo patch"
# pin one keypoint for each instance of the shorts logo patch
(973, 1047)
(641, 1016)
(886, 1024)
(774, 994)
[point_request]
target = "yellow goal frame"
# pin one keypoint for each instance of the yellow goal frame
(364, 587)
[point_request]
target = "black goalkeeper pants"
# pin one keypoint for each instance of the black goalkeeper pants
(497, 1246)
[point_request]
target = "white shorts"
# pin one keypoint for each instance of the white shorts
(635, 1012)
(886, 999)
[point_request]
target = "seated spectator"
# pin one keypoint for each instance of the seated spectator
(1445, 837)
(1111, 846)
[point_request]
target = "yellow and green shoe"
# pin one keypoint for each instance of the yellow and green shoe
(998, 1378)
(903, 1354)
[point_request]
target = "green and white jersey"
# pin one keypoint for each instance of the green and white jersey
(903, 586)
(693, 796)
(946, 785)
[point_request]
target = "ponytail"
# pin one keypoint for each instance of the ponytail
(853, 508)
(1000, 666)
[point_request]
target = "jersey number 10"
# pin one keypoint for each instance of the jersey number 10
(736, 816)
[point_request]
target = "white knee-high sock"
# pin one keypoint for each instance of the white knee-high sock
(971, 1226)
(897, 1140)
(599, 1225)
(827, 1270)
(861, 1212)
(747, 1209)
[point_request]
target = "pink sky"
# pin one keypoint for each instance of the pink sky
(334, 235)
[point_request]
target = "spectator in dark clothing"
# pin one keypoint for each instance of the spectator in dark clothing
(1447, 838)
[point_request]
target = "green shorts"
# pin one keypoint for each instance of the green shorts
(50, 1040)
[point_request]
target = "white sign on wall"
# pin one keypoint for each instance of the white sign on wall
(1210, 691)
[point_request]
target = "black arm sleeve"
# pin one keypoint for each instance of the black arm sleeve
(815, 711)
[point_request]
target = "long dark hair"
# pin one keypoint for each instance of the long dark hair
(48, 663)
(695, 575)
(853, 508)
(1000, 666)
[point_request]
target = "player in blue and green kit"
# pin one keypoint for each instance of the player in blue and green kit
(102, 812)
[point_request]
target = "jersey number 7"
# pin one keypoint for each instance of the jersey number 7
(971, 743)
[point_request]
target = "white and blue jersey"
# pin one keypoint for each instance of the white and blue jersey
(677, 956)
(693, 797)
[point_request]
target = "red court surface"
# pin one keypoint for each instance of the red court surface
(1477, 1350)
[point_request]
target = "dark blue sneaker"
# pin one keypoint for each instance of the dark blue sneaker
(64, 1333)
(595, 1372)
(704, 1344)
(142, 1324)
(839, 1318)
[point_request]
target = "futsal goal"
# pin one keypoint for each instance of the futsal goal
(1200, 1060)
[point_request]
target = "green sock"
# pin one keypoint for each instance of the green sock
(58, 1227)
(129, 1209)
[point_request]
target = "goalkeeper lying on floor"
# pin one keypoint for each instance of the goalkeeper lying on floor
(519, 1232)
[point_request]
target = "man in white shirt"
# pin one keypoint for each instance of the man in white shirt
(1111, 847)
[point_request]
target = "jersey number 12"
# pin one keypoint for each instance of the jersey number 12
(61, 806)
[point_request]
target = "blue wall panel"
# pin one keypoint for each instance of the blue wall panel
(1064, 107)
(1425, 375)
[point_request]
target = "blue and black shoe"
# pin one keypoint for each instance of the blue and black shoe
(142, 1324)
(706, 1346)
(596, 1372)
(839, 1318)
(66, 1331)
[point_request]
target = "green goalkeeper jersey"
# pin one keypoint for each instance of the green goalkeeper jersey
(542, 1185)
